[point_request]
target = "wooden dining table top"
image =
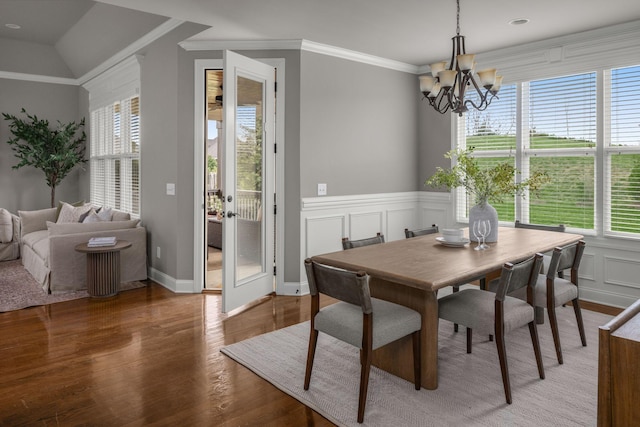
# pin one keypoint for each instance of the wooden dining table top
(424, 263)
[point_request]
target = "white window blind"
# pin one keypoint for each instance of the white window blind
(115, 156)
(492, 134)
(562, 139)
(622, 151)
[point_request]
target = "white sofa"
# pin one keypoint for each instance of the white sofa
(9, 236)
(48, 249)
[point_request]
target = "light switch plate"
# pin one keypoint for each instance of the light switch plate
(171, 189)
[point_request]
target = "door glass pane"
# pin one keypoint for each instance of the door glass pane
(249, 195)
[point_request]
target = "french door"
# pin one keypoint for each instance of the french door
(247, 180)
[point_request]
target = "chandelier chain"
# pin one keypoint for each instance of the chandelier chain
(458, 19)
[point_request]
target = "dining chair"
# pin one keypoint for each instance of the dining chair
(559, 228)
(499, 313)
(350, 244)
(358, 319)
(553, 291)
(421, 232)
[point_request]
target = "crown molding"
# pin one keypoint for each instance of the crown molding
(200, 45)
(302, 45)
(38, 78)
(352, 55)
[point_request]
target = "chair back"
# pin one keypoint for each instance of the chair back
(348, 286)
(350, 244)
(520, 275)
(566, 257)
(421, 232)
(560, 228)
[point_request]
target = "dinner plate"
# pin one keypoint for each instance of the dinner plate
(459, 244)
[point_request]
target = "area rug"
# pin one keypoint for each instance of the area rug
(18, 289)
(470, 391)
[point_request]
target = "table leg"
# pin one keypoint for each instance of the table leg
(397, 356)
(103, 273)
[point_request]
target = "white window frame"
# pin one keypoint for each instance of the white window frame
(117, 85)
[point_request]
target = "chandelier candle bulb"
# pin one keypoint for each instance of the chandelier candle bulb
(437, 67)
(447, 78)
(487, 77)
(426, 83)
(465, 62)
(496, 86)
(434, 92)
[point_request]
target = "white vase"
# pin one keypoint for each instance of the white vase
(481, 212)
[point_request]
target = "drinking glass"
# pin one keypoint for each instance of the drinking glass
(481, 229)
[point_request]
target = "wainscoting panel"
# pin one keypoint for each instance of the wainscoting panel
(365, 224)
(622, 272)
(395, 220)
(324, 234)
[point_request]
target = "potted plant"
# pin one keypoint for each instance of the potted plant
(54, 151)
(484, 184)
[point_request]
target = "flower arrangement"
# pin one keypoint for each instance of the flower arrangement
(484, 184)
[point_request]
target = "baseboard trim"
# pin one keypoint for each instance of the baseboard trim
(174, 285)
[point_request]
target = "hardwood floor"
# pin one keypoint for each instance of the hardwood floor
(145, 357)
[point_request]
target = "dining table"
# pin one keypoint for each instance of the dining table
(410, 272)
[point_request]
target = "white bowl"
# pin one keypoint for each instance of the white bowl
(452, 234)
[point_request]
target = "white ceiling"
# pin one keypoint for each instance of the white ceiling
(416, 32)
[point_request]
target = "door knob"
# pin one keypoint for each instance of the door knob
(231, 214)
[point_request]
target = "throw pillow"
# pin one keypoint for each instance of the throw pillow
(6, 226)
(92, 217)
(61, 203)
(105, 214)
(69, 213)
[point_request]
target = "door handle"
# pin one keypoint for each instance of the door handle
(231, 214)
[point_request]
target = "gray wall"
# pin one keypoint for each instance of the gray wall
(26, 188)
(167, 153)
(434, 132)
(358, 127)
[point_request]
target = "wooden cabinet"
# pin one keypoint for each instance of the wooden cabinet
(619, 370)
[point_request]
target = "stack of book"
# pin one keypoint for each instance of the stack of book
(96, 242)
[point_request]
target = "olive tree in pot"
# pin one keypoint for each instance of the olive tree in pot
(484, 184)
(54, 151)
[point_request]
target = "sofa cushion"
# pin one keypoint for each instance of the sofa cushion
(36, 220)
(61, 203)
(74, 227)
(70, 213)
(32, 239)
(6, 226)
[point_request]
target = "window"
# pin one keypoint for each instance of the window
(622, 151)
(552, 125)
(115, 156)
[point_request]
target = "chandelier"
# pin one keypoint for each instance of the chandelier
(445, 88)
